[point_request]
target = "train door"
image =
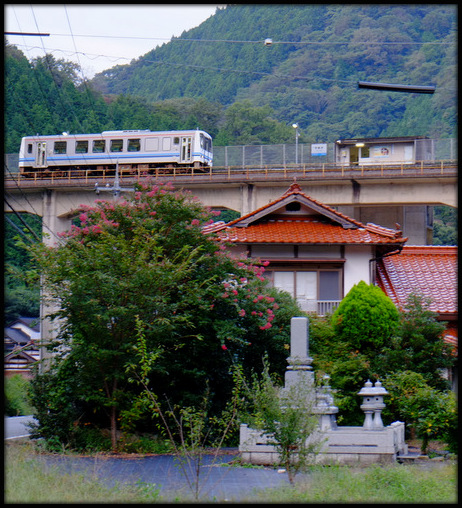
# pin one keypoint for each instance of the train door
(41, 155)
(186, 149)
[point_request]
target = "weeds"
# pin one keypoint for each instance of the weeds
(28, 481)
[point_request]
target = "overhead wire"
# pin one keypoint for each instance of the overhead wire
(114, 58)
(259, 41)
(72, 204)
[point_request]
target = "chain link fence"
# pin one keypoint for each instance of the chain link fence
(308, 153)
(268, 155)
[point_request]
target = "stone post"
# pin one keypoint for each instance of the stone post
(299, 368)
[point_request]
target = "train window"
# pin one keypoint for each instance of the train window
(117, 145)
(206, 143)
(134, 145)
(60, 147)
(99, 146)
(166, 143)
(176, 141)
(29, 148)
(151, 144)
(81, 147)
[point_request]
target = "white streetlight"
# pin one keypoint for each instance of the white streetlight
(295, 126)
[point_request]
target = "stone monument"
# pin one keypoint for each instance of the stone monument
(368, 444)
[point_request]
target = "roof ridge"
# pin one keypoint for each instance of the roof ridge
(430, 249)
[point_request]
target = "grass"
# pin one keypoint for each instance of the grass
(26, 481)
(374, 484)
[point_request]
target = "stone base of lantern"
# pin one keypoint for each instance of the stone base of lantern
(343, 445)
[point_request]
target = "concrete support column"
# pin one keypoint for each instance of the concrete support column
(247, 199)
(51, 225)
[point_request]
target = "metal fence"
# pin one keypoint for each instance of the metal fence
(267, 155)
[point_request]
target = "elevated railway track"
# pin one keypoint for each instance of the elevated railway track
(322, 173)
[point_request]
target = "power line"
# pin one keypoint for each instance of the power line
(22, 220)
(260, 41)
(27, 33)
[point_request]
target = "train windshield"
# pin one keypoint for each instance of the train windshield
(206, 143)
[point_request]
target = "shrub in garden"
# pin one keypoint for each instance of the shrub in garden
(148, 258)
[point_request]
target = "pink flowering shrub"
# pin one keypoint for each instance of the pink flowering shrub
(147, 258)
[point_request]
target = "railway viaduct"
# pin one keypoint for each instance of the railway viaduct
(383, 196)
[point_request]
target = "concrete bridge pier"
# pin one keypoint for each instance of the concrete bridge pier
(52, 224)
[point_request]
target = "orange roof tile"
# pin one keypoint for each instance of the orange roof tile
(428, 270)
(305, 231)
(323, 225)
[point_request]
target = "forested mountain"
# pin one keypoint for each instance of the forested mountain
(309, 74)
(221, 77)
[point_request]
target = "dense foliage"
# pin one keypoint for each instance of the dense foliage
(21, 297)
(308, 75)
(148, 260)
(409, 361)
(365, 319)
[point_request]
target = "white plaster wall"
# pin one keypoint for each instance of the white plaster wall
(356, 265)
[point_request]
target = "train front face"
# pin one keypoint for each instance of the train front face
(205, 149)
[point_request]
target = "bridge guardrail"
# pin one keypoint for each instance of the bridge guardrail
(238, 173)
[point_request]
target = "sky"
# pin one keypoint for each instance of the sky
(98, 37)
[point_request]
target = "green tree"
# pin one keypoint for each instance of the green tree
(246, 124)
(148, 257)
(366, 318)
(427, 412)
(22, 296)
(418, 344)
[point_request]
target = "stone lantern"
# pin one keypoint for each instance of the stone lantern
(372, 404)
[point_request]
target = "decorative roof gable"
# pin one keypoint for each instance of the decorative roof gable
(298, 218)
(309, 205)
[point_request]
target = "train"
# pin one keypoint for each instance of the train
(127, 150)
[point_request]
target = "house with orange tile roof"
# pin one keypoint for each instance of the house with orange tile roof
(315, 253)
(318, 254)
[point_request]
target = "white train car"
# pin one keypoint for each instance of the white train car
(128, 149)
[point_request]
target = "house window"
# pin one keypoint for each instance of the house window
(315, 290)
